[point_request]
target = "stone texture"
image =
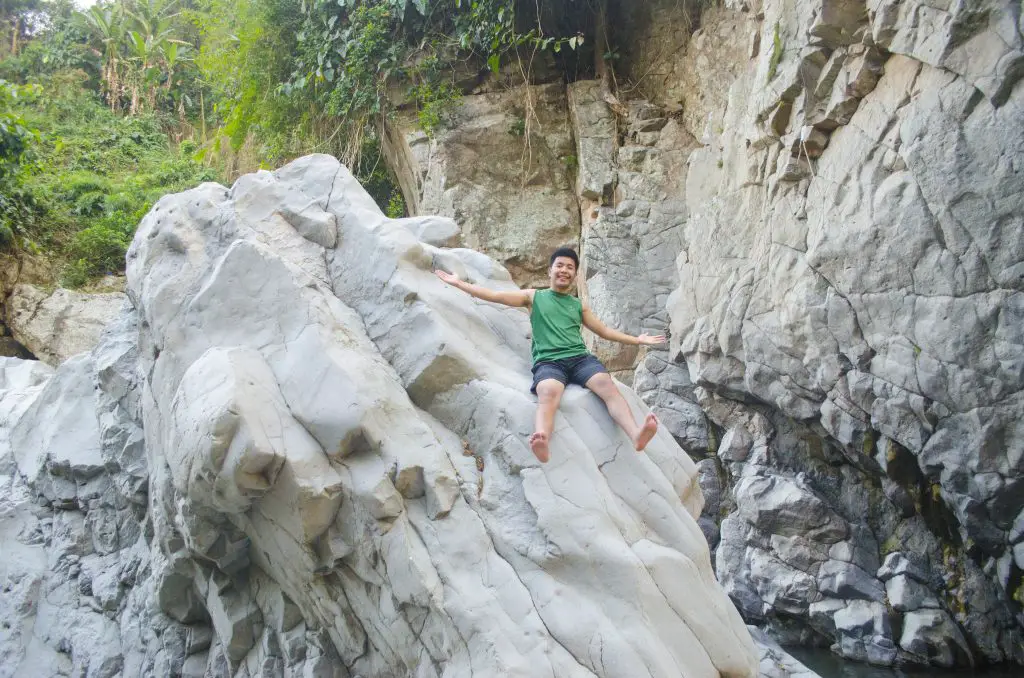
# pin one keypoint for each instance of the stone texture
(55, 326)
(909, 564)
(70, 523)
(502, 169)
(906, 594)
(848, 280)
(864, 632)
(775, 661)
(932, 636)
(296, 446)
(780, 505)
(845, 580)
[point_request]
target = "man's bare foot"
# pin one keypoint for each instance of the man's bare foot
(646, 432)
(539, 445)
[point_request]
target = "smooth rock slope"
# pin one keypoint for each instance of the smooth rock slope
(298, 453)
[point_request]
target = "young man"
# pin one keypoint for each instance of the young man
(559, 355)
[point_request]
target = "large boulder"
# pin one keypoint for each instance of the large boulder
(57, 325)
(329, 449)
(360, 428)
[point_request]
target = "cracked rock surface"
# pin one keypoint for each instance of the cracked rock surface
(298, 453)
(847, 308)
(56, 326)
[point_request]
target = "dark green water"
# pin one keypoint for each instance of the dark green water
(828, 665)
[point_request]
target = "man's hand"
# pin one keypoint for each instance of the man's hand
(650, 339)
(447, 277)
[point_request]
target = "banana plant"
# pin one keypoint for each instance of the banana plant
(149, 43)
(175, 53)
(107, 25)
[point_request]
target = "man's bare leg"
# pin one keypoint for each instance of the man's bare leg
(549, 394)
(605, 388)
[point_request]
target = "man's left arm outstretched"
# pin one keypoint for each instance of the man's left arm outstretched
(594, 324)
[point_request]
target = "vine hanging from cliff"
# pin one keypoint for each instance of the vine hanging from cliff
(352, 62)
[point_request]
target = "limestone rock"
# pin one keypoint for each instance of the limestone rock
(841, 276)
(906, 563)
(775, 661)
(780, 505)
(865, 632)
(502, 170)
(308, 506)
(56, 326)
(846, 580)
(934, 639)
(906, 594)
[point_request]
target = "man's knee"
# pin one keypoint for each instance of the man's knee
(601, 380)
(549, 391)
(603, 385)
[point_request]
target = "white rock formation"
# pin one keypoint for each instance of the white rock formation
(55, 326)
(335, 472)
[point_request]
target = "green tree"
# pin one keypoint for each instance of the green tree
(108, 27)
(14, 14)
(15, 133)
(16, 136)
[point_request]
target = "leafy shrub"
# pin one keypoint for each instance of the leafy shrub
(99, 249)
(75, 185)
(6, 236)
(89, 204)
(396, 205)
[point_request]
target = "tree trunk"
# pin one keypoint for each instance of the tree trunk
(113, 85)
(15, 32)
(601, 46)
(134, 108)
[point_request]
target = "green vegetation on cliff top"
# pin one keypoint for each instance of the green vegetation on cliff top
(103, 111)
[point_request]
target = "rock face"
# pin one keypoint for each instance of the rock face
(846, 307)
(502, 169)
(298, 453)
(820, 200)
(55, 326)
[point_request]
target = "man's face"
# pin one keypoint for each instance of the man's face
(562, 274)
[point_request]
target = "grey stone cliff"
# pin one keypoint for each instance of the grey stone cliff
(821, 202)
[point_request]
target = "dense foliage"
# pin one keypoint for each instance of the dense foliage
(88, 177)
(104, 110)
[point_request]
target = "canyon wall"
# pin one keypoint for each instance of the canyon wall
(820, 199)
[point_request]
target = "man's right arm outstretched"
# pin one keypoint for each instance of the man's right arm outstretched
(520, 298)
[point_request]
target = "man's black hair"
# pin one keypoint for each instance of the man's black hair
(565, 252)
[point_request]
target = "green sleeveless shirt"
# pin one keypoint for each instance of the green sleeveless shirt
(556, 320)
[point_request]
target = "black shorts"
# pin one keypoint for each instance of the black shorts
(575, 370)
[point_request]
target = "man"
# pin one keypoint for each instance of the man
(559, 355)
